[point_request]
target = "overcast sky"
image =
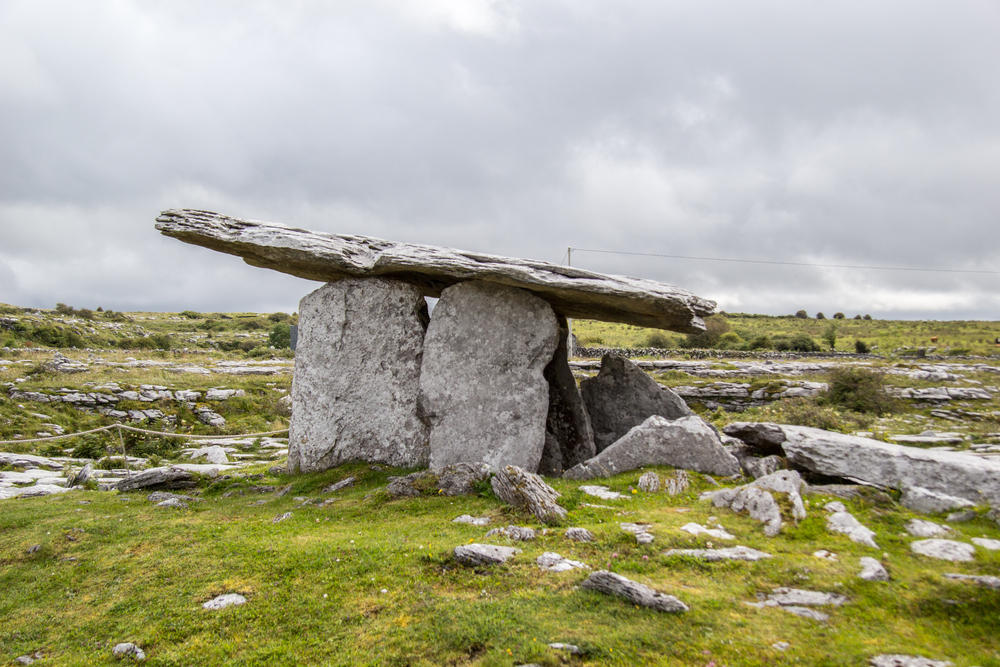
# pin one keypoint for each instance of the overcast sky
(861, 133)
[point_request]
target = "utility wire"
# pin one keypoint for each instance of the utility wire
(774, 262)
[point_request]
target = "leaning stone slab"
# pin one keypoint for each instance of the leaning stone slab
(484, 554)
(482, 388)
(357, 374)
(688, 443)
(571, 291)
(610, 583)
(569, 438)
(981, 579)
(622, 396)
(957, 552)
(958, 474)
(167, 477)
(528, 491)
(716, 555)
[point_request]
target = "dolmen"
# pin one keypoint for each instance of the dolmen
(483, 379)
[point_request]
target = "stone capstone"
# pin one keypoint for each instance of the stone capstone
(571, 291)
(482, 388)
(688, 443)
(357, 373)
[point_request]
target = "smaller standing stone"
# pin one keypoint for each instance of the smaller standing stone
(677, 484)
(649, 482)
(82, 477)
(129, 650)
(579, 535)
(872, 570)
(958, 552)
(484, 554)
(223, 601)
(527, 490)
(610, 583)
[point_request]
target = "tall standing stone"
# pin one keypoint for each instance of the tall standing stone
(569, 439)
(482, 389)
(623, 396)
(357, 376)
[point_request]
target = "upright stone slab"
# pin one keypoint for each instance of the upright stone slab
(569, 439)
(482, 389)
(357, 371)
(622, 396)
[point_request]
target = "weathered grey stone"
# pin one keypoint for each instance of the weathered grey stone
(484, 554)
(802, 598)
(459, 479)
(788, 482)
(482, 389)
(985, 580)
(212, 454)
(689, 443)
(986, 543)
(872, 570)
(622, 396)
(957, 552)
(553, 562)
(128, 650)
(762, 437)
(472, 520)
(677, 484)
(755, 501)
(579, 535)
(160, 496)
(223, 601)
(517, 533)
(572, 292)
(356, 381)
(640, 530)
(282, 517)
(926, 501)
(922, 528)
(166, 477)
(715, 555)
(569, 439)
(85, 475)
(760, 466)
(839, 520)
(649, 482)
(528, 491)
(172, 502)
(569, 648)
(610, 583)
(961, 517)
(28, 461)
(835, 454)
(718, 533)
(602, 492)
(900, 660)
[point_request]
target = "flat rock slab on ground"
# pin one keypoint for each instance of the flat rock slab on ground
(715, 555)
(610, 583)
(958, 552)
(602, 492)
(316, 256)
(839, 520)
(165, 477)
(553, 562)
(482, 388)
(901, 660)
(484, 554)
(986, 580)
(622, 396)
(687, 442)
(357, 376)
(717, 533)
(517, 533)
(223, 601)
(923, 528)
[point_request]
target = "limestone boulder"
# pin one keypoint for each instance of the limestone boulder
(357, 376)
(688, 443)
(482, 389)
(622, 396)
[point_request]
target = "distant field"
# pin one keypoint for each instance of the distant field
(888, 336)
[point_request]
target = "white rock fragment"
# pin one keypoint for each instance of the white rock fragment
(872, 570)
(986, 543)
(958, 552)
(223, 601)
(553, 562)
(718, 533)
(602, 492)
(640, 530)
(484, 554)
(472, 520)
(519, 533)
(128, 650)
(922, 528)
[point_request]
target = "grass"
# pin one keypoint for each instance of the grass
(120, 569)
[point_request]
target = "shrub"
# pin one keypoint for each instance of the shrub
(759, 343)
(730, 340)
(806, 412)
(190, 314)
(715, 326)
(838, 316)
(89, 447)
(830, 336)
(857, 317)
(867, 317)
(861, 347)
(860, 390)
(278, 317)
(658, 340)
(797, 343)
(820, 316)
(280, 336)
(801, 314)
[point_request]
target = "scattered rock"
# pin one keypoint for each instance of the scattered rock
(281, 517)
(823, 554)
(602, 492)
(944, 550)
(640, 530)
(569, 648)
(872, 570)
(926, 501)
(678, 484)
(981, 579)
(212, 454)
(610, 583)
(337, 486)
(518, 533)
(129, 650)
(649, 482)
(527, 490)
(986, 543)
(356, 381)
(688, 442)
(900, 660)
(172, 502)
(553, 562)
(166, 477)
(715, 555)
(839, 520)
(622, 397)
(85, 475)
(459, 479)
(223, 601)
(799, 602)
(472, 520)
(160, 496)
(718, 533)
(579, 535)
(922, 528)
(482, 388)
(756, 500)
(781, 646)
(484, 554)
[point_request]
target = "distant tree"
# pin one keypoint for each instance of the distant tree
(861, 347)
(830, 336)
(801, 314)
(867, 317)
(820, 316)
(838, 316)
(280, 336)
(857, 317)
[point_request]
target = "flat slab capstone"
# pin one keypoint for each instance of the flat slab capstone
(571, 292)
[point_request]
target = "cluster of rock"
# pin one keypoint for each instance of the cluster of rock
(741, 395)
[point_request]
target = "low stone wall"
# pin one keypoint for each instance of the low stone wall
(661, 353)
